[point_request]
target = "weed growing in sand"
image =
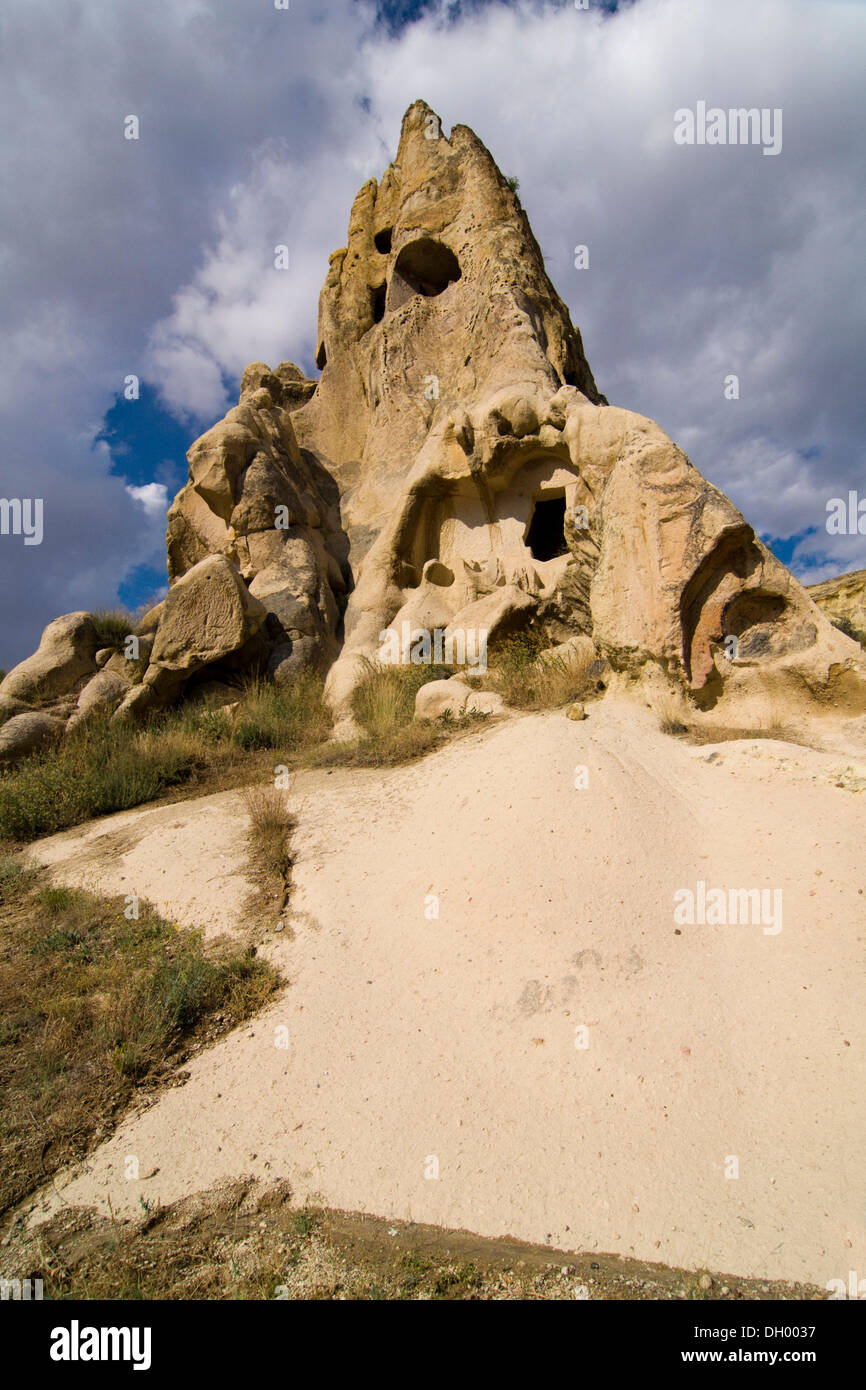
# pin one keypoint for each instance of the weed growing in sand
(92, 1006)
(268, 841)
(671, 713)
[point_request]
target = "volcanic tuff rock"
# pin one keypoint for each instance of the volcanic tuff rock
(456, 467)
(844, 601)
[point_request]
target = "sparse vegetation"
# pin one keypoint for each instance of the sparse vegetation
(384, 701)
(93, 1005)
(113, 626)
(271, 827)
(101, 766)
(672, 714)
(238, 1241)
(97, 768)
(773, 725)
(845, 625)
(528, 675)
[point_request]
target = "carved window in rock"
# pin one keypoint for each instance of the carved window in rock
(545, 536)
(424, 267)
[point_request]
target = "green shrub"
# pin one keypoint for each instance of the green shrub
(845, 625)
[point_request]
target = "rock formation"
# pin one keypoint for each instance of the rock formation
(844, 601)
(454, 468)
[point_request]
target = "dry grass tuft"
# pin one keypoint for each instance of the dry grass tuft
(529, 676)
(268, 841)
(384, 701)
(672, 714)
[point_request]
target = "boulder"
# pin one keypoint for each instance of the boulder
(441, 697)
(208, 613)
(66, 652)
(28, 733)
(208, 617)
(485, 702)
(10, 707)
(101, 695)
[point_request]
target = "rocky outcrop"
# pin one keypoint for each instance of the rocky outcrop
(844, 601)
(487, 484)
(66, 652)
(208, 616)
(254, 497)
(454, 470)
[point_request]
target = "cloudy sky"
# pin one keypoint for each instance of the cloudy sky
(154, 257)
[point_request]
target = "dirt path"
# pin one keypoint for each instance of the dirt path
(418, 1043)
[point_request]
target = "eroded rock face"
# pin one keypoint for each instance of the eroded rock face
(455, 468)
(486, 483)
(844, 602)
(257, 499)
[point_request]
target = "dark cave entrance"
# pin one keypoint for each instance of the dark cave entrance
(424, 267)
(428, 266)
(382, 241)
(546, 534)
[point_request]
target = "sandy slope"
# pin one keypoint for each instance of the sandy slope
(455, 1038)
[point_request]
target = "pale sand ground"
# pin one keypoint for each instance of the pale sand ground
(454, 1038)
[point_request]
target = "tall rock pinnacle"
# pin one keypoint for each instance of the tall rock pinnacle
(455, 468)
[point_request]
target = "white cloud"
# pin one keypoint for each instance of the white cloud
(153, 497)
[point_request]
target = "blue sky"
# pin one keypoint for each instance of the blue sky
(155, 257)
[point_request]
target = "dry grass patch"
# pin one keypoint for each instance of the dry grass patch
(672, 714)
(93, 1006)
(113, 626)
(102, 767)
(529, 675)
(384, 700)
(268, 842)
(237, 1241)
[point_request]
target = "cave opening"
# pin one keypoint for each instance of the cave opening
(546, 535)
(428, 267)
(321, 357)
(377, 302)
(382, 241)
